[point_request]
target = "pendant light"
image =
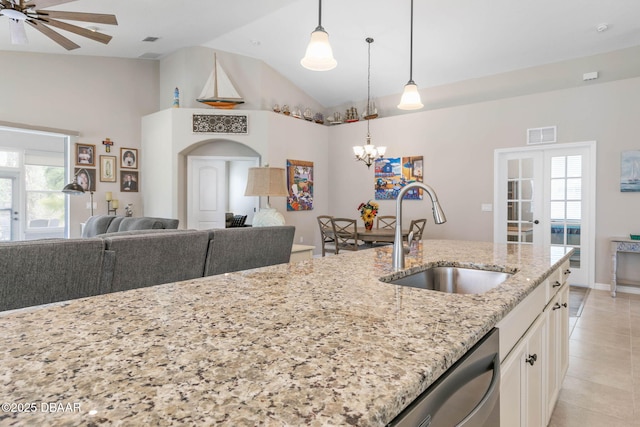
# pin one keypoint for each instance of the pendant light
(319, 55)
(410, 97)
(368, 152)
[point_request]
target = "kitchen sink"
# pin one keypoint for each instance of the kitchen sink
(456, 280)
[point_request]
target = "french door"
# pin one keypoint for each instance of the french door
(546, 195)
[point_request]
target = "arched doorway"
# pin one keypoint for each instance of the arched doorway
(216, 175)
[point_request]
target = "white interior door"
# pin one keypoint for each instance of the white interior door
(207, 193)
(570, 203)
(546, 195)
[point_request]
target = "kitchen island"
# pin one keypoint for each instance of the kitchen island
(317, 342)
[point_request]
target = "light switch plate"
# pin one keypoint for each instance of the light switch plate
(486, 207)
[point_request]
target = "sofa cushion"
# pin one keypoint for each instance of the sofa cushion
(97, 224)
(139, 232)
(44, 271)
(115, 225)
(234, 249)
(143, 223)
(147, 259)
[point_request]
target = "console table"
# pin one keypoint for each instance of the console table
(301, 252)
(620, 244)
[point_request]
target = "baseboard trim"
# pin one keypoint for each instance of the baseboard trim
(620, 288)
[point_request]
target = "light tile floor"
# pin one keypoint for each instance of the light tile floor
(602, 386)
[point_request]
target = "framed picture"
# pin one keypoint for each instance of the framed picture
(129, 158)
(85, 155)
(108, 169)
(300, 185)
(129, 181)
(393, 173)
(630, 171)
(86, 178)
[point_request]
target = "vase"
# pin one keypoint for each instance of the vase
(368, 225)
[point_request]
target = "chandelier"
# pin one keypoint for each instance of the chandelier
(368, 152)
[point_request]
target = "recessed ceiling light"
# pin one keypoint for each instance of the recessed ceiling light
(255, 42)
(602, 28)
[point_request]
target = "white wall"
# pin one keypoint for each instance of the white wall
(96, 97)
(259, 84)
(458, 144)
(167, 137)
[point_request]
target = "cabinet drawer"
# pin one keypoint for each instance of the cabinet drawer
(553, 284)
(564, 271)
(515, 324)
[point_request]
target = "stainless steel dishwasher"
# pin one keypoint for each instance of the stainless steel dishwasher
(468, 394)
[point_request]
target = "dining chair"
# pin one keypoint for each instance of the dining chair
(386, 221)
(326, 233)
(417, 226)
(346, 234)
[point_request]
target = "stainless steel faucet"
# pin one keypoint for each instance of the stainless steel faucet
(438, 217)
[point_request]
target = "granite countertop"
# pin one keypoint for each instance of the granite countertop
(318, 342)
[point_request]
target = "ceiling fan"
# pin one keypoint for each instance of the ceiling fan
(30, 11)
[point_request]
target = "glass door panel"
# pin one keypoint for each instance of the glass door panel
(522, 200)
(565, 203)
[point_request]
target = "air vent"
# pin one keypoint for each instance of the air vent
(545, 135)
(150, 39)
(150, 55)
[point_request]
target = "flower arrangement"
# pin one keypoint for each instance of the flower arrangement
(368, 211)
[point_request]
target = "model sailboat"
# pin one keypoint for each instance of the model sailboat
(219, 92)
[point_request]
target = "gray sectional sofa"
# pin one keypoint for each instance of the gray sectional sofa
(103, 224)
(44, 271)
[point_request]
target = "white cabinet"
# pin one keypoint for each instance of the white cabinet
(534, 353)
(522, 381)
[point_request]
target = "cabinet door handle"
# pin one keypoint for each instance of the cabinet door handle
(555, 285)
(532, 359)
(556, 306)
(567, 271)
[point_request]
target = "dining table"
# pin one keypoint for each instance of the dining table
(376, 234)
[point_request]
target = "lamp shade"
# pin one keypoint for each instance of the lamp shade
(319, 55)
(266, 181)
(73, 188)
(410, 98)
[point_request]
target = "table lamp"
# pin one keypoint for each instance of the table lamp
(267, 181)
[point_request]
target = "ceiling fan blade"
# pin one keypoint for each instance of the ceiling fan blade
(93, 35)
(41, 4)
(98, 18)
(53, 35)
(18, 34)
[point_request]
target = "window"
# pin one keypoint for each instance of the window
(44, 200)
(9, 159)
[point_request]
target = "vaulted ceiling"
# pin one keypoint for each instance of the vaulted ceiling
(453, 40)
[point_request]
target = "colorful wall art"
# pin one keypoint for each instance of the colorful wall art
(393, 173)
(300, 185)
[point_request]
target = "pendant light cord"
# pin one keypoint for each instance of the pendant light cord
(320, 15)
(369, 40)
(411, 47)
